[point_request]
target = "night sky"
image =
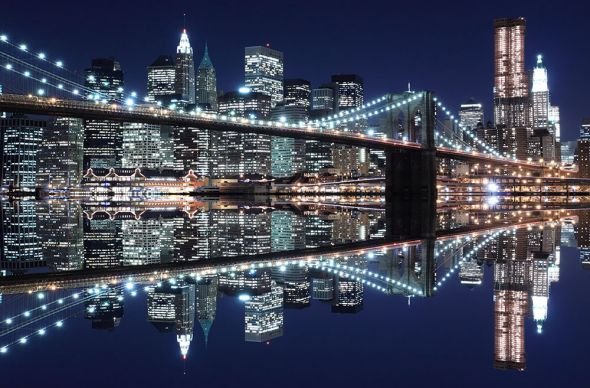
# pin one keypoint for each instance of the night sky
(445, 46)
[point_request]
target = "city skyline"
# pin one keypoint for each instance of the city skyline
(227, 56)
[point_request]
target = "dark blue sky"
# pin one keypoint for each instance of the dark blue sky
(446, 46)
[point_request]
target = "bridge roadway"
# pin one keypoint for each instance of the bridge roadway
(154, 115)
(88, 278)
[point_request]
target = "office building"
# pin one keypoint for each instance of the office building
(184, 83)
(20, 249)
(206, 84)
(103, 140)
(297, 92)
(584, 150)
(161, 79)
(471, 114)
(141, 146)
(21, 139)
(264, 315)
(105, 309)
(349, 91)
(61, 154)
(540, 96)
(206, 306)
(511, 86)
(263, 70)
(348, 295)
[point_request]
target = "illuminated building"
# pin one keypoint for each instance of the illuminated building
(471, 273)
(102, 242)
(192, 149)
(584, 150)
(511, 90)
(141, 241)
(184, 82)
(554, 122)
(264, 315)
(323, 99)
(206, 295)
(21, 139)
(349, 91)
(60, 234)
(141, 146)
(233, 154)
(103, 140)
(287, 154)
(161, 75)
(322, 286)
(512, 277)
(540, 289)
(348, 295)
(287, 231)
(471, 116)
(252, 281)
(104, 308)
(297, 92)
(61, 154)
(206, 84)
(20, 249)
(264, 71)
(540, 96)
(296, 286)
(185, 317)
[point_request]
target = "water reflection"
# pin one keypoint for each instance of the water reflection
(67, 261)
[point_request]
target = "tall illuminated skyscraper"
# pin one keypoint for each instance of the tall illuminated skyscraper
(584, 150)
(511, 90)
(61, 153)
(471, 114)
(264, 315)
(264, 71)
(206, 295)
(540, 96)
(21, 138)
(103, 140)
(349, 91)
(206, 83)
(184, 83)
(141, 146)
(161, 78)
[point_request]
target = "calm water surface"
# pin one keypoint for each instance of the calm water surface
(225, 294)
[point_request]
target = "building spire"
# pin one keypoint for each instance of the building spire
(206, 61)
(184, 46)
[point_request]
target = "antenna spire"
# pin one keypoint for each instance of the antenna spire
(184, 20)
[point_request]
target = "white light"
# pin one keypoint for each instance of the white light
(8, 321)
(75, 91)
(244, 297)
(27, 314)
(60, 86)
(59, 64)
(133, 94)
(129, 285)
(134, 293)
(40, 92)
(59, 323)
(27, 73)
(23, 340)
(76, 296)
(40, 295)
(8, 66)
(23, 47)
(41, 56)
(129, 102)
(3, 38)
(41, 332)
(3, 349)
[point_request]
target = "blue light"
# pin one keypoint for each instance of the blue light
(244, 90)
(129, 102)
(3, 38)
(41, 56)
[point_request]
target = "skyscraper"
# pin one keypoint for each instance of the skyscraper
(21, 138)
(297, 92)
(206, 295)
(349, 91)
(161, 78)
(141, 146)
(264, 315)
(584, 150)
(184, 83)
(540, 96)
(264, 71)
(471, 114)
(206, 83)
(61, 153)
(511, 90)
(103, 140)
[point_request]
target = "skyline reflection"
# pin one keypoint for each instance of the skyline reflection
(65, 262)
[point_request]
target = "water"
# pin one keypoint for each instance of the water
(225, 293)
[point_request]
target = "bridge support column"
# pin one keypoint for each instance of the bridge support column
(410, 193)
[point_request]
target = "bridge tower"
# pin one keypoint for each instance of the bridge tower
(410, 188)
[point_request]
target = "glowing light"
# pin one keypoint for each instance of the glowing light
(40, 92)
(244, 297)
(3, 349)
(59, 64)
(8, 66)
(27, 73)
(23, 340)
(41, 332)
(59, 323)
(3, 38)
(244, 90)
(40, 295)
(41, 56)
(8, 321)
(23, 47)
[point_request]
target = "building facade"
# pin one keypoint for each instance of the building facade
(264, 71)
(184, 83)
(206, 83)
